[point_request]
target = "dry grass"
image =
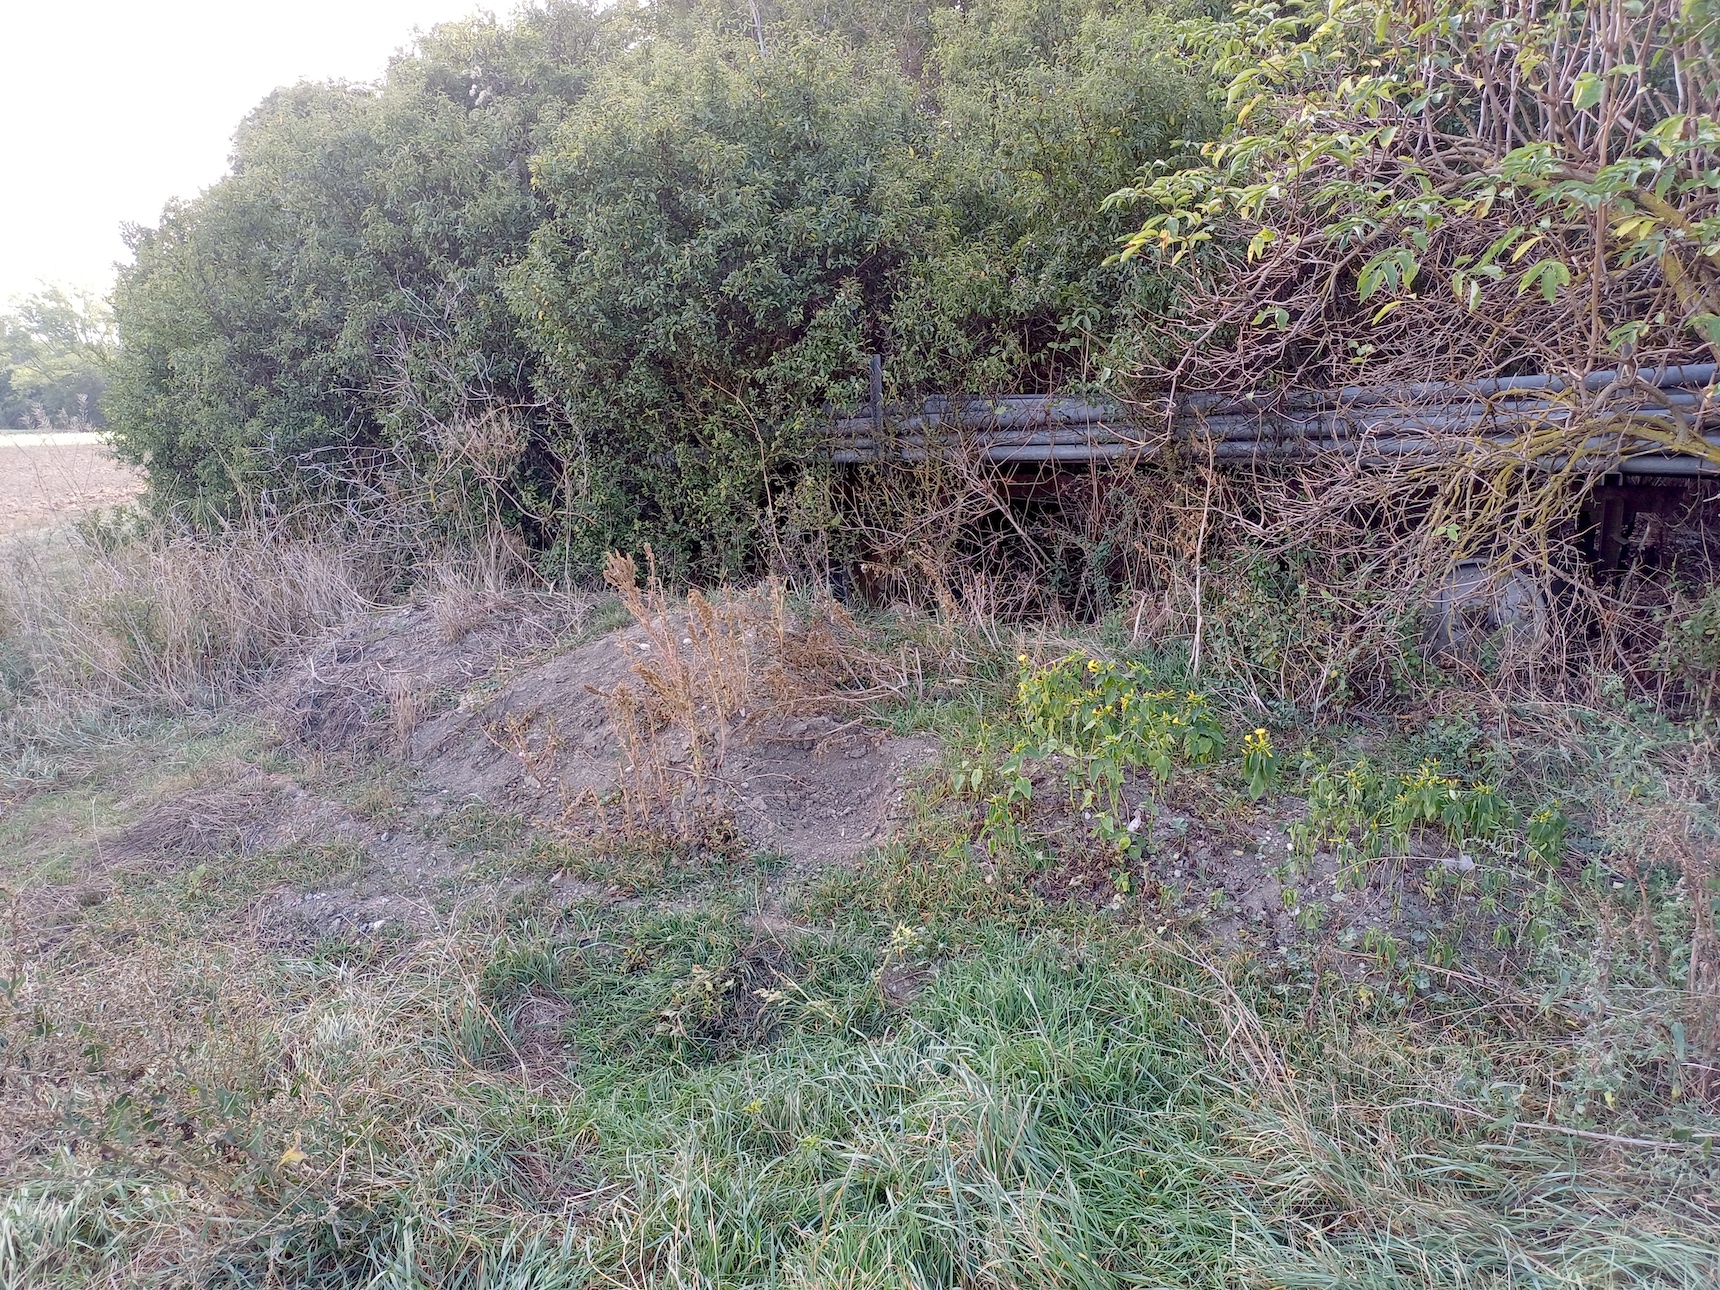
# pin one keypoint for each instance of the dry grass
(166, 618)
(714, 671)
(1321, 584)
(540, 1098)
(1676, 838)
(546, 1099)
(226, 820)
(698, 691)
(105, 629)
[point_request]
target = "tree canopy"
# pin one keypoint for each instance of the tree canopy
(55, 350)
(659, 239)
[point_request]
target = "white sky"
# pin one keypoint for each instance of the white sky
(118, 105)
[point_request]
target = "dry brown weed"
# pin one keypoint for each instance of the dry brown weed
(718, 672)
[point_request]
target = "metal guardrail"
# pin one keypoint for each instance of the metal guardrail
(1427, 420)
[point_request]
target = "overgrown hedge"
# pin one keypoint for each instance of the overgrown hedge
(662, 238)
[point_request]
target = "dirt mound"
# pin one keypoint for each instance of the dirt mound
(816, 789)
(499, 712)
(368, 688)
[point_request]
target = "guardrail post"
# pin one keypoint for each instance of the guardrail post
(878, 394)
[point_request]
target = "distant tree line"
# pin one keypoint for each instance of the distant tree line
(55, 350)
(655, 241)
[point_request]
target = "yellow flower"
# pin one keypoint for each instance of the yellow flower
(1092, 665)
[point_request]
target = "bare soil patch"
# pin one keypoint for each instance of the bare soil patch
(816, 789)
(498, 714)
(42, 484)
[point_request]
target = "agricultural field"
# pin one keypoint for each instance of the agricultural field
(47, 478)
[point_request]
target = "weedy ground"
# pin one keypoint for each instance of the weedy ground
(1126, 994)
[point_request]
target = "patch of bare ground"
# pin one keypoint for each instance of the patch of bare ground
(307, 865)
(816, 789)
(44, 483)
(1227, 869)
(368, 688)
(424, 749)
(513, 711)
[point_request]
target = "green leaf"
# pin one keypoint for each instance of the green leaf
(1625, 335)
(1551, 275)
(1586, 92)
(1391, 270)
(1521, 251)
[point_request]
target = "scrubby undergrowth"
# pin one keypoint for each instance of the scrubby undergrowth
(280, 1011)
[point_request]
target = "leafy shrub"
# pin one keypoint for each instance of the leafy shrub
(660, 241)
(1689, 650)
(1097, 721)
(1366, 814)
(1362, 814)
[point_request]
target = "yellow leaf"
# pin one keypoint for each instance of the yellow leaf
(292, 1155)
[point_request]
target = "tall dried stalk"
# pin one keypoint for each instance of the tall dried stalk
(698, 681)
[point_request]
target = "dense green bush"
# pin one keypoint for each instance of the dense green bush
(341, 287)
(722, 236)
(662, 239)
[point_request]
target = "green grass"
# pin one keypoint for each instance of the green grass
(64, 819)
(918, 1073)
(1043, 1112)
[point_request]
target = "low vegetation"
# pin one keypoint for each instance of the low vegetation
(453, 836)
(1135, 989)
